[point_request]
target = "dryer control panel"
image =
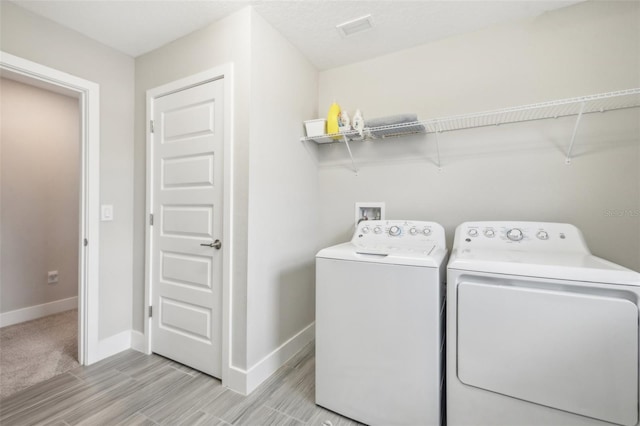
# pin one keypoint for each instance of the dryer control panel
(398, 234)
(529, 236)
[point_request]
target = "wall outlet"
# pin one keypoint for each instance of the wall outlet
(52, 277)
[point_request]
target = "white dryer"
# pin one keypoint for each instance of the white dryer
(379, 324)
(539, 331)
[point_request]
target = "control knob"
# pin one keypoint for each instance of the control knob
(365, 229)
(426, 231)
(394, 231)
(542, 235)
(515, 234)
(489, 233)
(473, 232)
(413, 231)
(377, 230)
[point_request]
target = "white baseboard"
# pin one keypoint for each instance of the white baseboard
(138, 342)
(113, 345)
(236, 380)
(129, 339)
(245, 381)
(38, 311)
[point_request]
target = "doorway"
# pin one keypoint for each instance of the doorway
(188, 203)
(87, 239)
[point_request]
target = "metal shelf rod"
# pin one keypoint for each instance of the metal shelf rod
(438, 149)
(353, 164)
(567, 160)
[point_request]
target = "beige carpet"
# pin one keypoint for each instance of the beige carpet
(37, 350)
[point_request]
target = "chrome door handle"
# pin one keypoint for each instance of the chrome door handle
(216, 244)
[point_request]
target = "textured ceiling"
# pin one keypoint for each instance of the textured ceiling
(137, 27)
(131, 26)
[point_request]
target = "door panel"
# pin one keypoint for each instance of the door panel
(187, 221)
(188, 171)
(185, 318)
(187, 202)
(573, 351)
(185, 269)
(188, 120)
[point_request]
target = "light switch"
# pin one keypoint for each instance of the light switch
(106, 212)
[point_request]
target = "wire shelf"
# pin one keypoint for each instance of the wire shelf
(603, 102)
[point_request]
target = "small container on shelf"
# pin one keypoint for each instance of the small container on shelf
(315, 127)
(358, 122)
(344, 122)
(333, 118)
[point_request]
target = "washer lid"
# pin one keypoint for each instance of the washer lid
(566, 266)
(430, 256)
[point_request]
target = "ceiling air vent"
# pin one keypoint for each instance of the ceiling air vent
(363, 23)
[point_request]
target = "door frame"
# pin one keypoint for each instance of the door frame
(225, 72)
(88, 94)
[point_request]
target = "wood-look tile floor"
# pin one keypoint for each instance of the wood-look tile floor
(136, 389)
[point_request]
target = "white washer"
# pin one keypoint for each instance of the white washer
(539, 331)
(379, 324)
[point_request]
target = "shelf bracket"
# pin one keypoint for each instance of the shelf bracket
(353, 164)
(438, 148)
(567, 160)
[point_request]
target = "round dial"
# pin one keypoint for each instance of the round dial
(377, 230)
(394, 231)
(365, 229)
(473, 232)
(426, 231)
(515, 234)
(413, 231)
(489, 233)
(542, 235)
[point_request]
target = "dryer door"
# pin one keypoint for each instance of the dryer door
(563, 346)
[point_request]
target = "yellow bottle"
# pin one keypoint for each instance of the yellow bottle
(332, 118)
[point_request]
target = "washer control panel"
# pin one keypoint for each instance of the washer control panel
(398, 234)
(527, 235)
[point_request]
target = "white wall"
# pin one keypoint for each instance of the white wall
(275, 179)
(513, 172)
(39, 40)
(283, 193)
(39, 168)
(283, 211)
(224, 41)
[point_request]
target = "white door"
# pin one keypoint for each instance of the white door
(187, 240)
(567, 347)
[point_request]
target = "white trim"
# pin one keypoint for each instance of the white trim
(128, 339)
(113, 345)
(88, 262)
(38, 311)
(237, 380)
(228, 200)
(221, 72)
(246, 381)
(138, 342)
